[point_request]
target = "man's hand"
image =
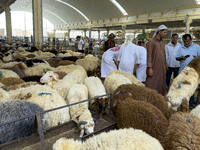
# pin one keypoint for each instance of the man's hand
(194, 56)
(150, 72)
(138, 65)
(183, 58)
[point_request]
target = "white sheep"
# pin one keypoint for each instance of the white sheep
(196, 111)
(79, 112)
(8, 73)
(43, 96)
(182, 87)
(113, 81)
(96, 88)
(69, 68)
(63, 86)
(123, 139)
(89, 63)
(131, 77)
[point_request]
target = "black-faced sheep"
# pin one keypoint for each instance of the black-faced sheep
(14, 110)
(123, 139)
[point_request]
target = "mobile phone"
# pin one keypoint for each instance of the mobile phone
(186, 56)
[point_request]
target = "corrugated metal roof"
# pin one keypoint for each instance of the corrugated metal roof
(96, 9)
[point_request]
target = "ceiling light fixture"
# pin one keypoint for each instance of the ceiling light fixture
(73, 8)
(119, 7)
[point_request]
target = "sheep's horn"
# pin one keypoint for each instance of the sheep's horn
(82, 123)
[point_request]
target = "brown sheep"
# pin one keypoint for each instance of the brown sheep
(141, 115)
(61, 74)
(11, 81)
(54, 61)
(21, 85)
(148, 95)
(183, 132)
(65, 63)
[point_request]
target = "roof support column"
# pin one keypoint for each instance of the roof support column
(54, 33)
(8, 23)
(69, 30)
(37, 23)
(187, 23)
(98, 35)
(90, 33)
(123, 31)
(84, 33)
(107, 33)
(143, 30)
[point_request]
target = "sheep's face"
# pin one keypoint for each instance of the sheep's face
(49, 77)
(87, 127)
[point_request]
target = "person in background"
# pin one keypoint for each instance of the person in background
(80, 44)
(141, 70)
(128, 55)
(107, 62)
(185, 54)
(109, 43)
(173, 65)
(156, 61)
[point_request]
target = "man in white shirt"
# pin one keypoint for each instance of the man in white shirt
(173, 65)
(80, 44)
(128, 55)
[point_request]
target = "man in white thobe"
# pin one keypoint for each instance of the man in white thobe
(128, 56)
(107, 63)
(141, 70)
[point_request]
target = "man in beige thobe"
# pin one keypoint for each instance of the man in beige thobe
(156, 61)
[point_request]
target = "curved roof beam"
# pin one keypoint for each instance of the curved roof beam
(55, 15)
(119, 7)
(73, 8)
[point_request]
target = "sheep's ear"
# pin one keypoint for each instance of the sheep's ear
(55, 76)
(81, 124)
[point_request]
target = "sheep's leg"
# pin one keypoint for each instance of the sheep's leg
(82, 133)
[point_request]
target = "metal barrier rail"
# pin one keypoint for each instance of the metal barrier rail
(39, 122)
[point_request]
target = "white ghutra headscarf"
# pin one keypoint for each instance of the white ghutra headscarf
(161, 27)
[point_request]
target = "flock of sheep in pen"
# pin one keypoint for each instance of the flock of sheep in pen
(145, 119)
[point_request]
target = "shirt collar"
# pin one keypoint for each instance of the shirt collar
(157, 38)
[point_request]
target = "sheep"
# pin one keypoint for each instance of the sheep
(96, 88)
(65, 54)
(18, 71)
(45, 54)
(53, 61)
(196, 111)
(20, 85)
(89, 63)
(43, 96)
(113, 81)
(123, 139)
(8, 73)
(65, 63)
(183, 132)
(34, 78)
(131, 77)
(184, 85)
(68, 69)
(80, 113)
(148, 95)
(11, 81)
(63, 86)
(140, 115)
(31, 71)
(16, 109)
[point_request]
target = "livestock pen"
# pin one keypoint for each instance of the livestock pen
(44, 141)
